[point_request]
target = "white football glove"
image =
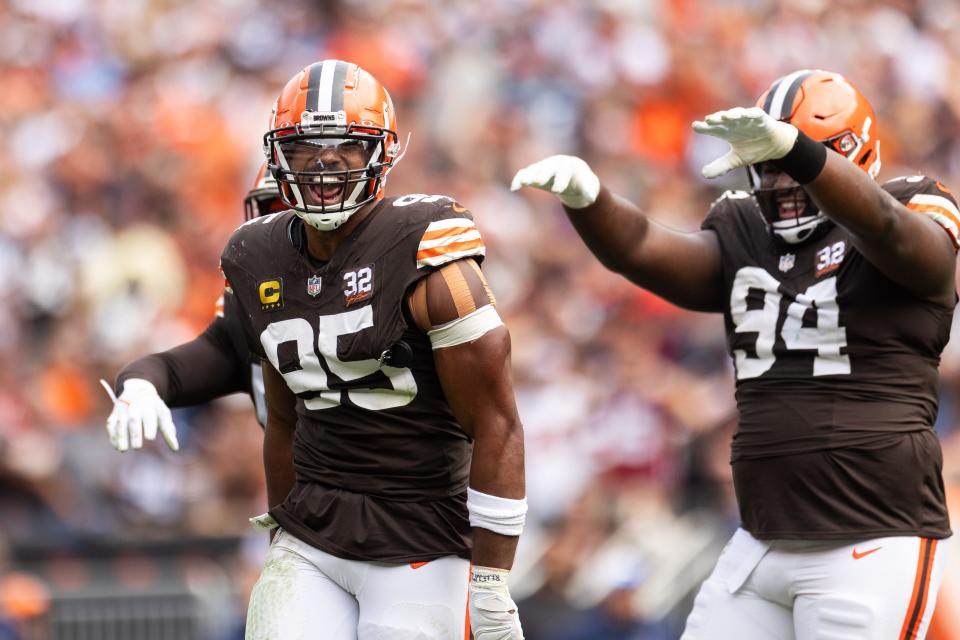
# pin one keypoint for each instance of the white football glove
(568, 177)
(137, 414)
(493, 613)
(753, 134)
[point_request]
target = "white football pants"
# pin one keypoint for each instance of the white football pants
(306, 594)
(880, 589)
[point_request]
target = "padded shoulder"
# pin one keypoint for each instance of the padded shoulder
(928, 197)
(445, 229)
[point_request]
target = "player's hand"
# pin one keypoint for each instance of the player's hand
(137, 414)
(568, 177)
(754, 136)
(493, 613)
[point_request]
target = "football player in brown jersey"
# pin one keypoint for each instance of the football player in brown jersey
(393, 449)
(214, 364)
(837, 295)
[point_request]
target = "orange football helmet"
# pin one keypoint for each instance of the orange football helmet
(828, 108)
(264, 197)
(331, 105)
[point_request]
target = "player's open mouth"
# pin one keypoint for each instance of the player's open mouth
(792, 205)
(328, 192)
(788, 210)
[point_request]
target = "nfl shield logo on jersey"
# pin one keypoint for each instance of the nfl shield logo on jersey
(313, 285)
(787, 261)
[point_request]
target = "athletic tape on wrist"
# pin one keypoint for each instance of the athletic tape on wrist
(505, 516)
(466, 329)
(488, 577)
(263, 522)
(805, 160)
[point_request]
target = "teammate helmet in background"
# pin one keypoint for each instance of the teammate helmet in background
(331, 104)
(828, 108)
(264, 197)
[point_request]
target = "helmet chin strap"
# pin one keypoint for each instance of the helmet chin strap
(320, 225)
(799, 230)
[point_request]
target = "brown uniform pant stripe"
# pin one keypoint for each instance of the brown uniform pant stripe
(921, 589)
(459, 289)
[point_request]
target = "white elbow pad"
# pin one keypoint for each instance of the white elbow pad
(505, 516)
(466, 329)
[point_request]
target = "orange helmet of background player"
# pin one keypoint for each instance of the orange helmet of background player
(264, 197)
(332, 104)
(828, 108)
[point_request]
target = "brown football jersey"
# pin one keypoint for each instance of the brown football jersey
(837, 379)
(381, 462)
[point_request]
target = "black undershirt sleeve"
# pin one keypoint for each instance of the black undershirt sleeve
(195, 372)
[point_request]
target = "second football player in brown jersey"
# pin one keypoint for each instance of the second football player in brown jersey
(214, 364)
(837, 296)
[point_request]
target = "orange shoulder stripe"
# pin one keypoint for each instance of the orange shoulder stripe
(933, 208)
(453, 247)
(445, 233)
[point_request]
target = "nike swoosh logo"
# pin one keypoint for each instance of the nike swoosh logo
(417, 565)
(857, 556)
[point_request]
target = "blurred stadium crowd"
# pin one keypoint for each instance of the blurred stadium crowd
(131, 131)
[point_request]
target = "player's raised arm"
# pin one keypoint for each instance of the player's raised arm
(471, 347)
(683, 268)
(212, 365)
(910, 249)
